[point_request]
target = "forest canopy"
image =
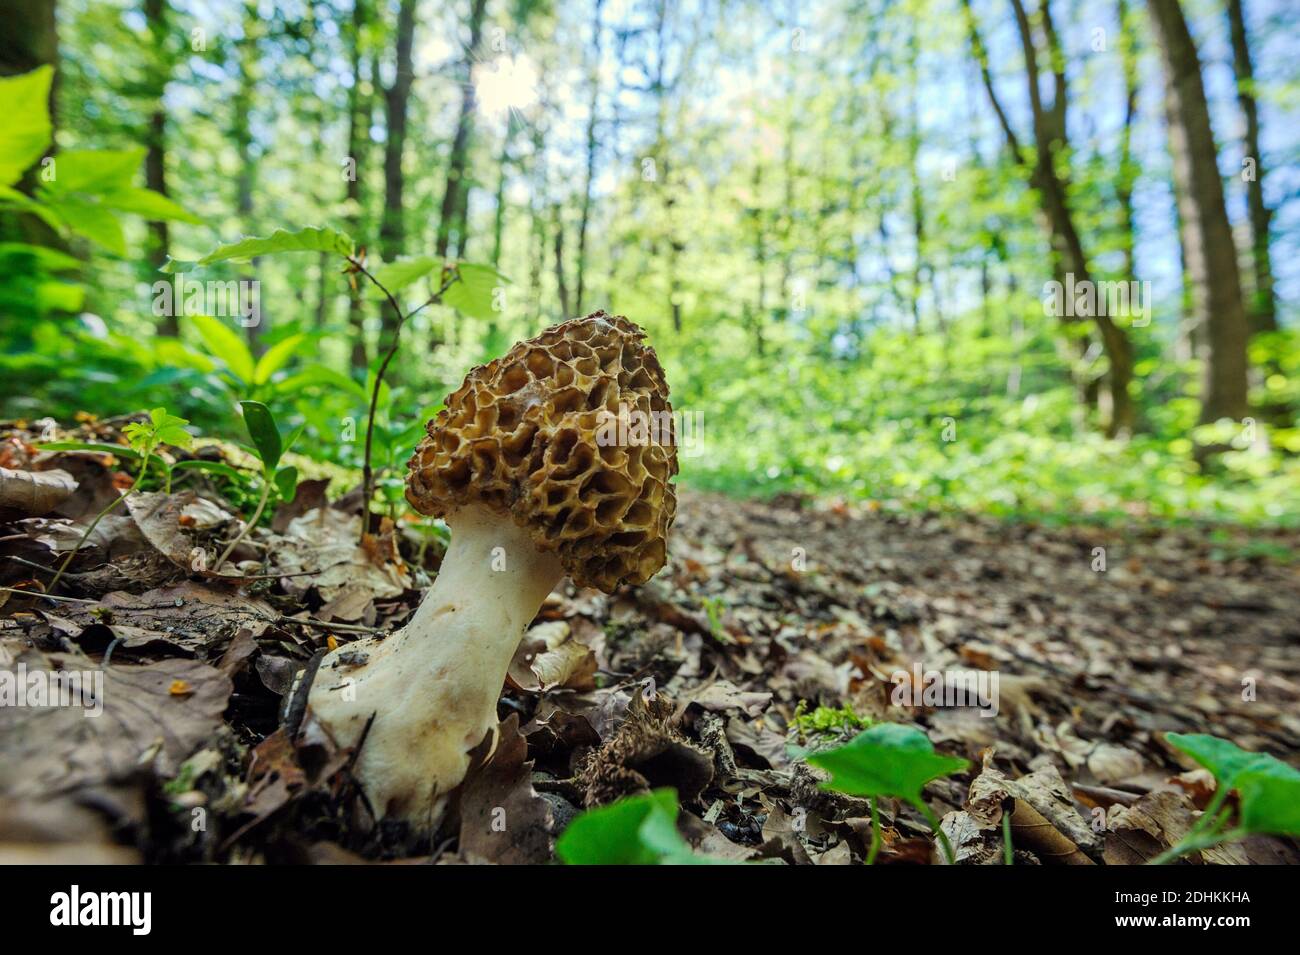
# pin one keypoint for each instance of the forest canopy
(934, 253)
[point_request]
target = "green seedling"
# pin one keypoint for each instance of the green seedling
(636, 830)
(1268, 795)
(713, 608)
(888, 759)
(827, 721)
(145, 438)
(268, 447)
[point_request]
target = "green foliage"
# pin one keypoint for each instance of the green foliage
(79, 191)
(269, 447)
(281, 240)
(1268, 793)
(473, 289)
(26, 132)
(827, 721)
(636, 830)
(888, 759)
(161, 428)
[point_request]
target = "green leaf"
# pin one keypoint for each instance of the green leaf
(638, 830)
(888, 759)
(120, 450)
(472, 292)
(153, 206)
(266, 436)
(286, 482)
(397, 275)
(1227, 761)
(15, 199)
(223, 343)
(1270, 799)
(323, 375)
(214, 467)
(92, 221)
(1269, 789)
(26, 132)
(50, 260)
(59, 296)
(275, 358)
(93, 170)
(301, 240)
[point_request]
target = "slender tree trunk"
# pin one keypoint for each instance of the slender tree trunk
(1049, 128)
(1211, 254)
(499, 204)
(1128, 169)
(592, 106)
(242, 134)
(914, 172)
(1263, 306)
(392, 230)
(557, 222)
(360, 111)
(758, 316)
(455, 196)
(155, 160)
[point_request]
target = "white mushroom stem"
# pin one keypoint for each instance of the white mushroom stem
(433, 686)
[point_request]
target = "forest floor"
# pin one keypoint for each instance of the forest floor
(776, 625)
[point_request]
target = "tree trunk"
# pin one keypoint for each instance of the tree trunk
(1263, 306)
(1049, 128)
(592, 105)
(392, 230)
(1211, 255)
(455, 195)
(557, 221)
(1128, 169)
(360, 108)
(155, 160)
(30, 39)
(242, 134)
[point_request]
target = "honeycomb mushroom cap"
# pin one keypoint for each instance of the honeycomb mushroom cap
(528, 435)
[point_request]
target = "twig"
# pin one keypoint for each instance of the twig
(367, 471)
(341, 627)
(33, 593)
(257, 515)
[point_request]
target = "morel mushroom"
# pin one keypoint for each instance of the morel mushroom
(534, 467)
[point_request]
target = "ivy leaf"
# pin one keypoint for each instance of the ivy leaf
(266, 436)
(473, 290)
(888, 759)
(224, 344)
(281, 240)
(26, 132)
